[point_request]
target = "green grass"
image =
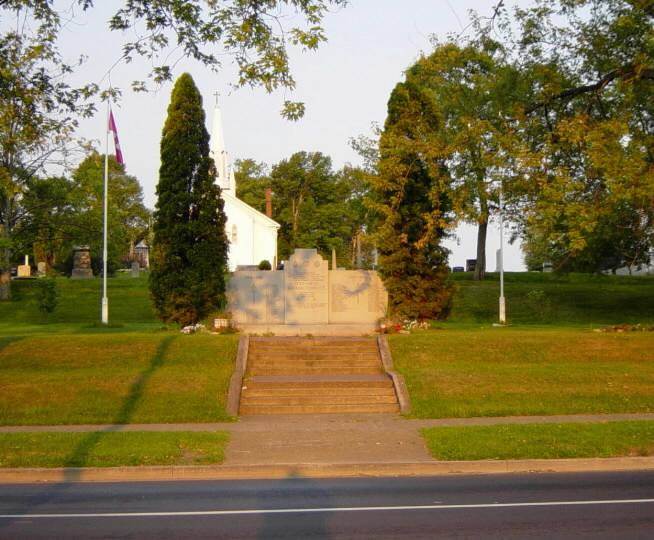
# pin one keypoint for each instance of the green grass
(79, 307)
(541, 441)
(129, 377)
(512, 371)
(549, 299)
(101, 449)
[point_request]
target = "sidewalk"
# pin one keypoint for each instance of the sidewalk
(282, 446)
(331, 421)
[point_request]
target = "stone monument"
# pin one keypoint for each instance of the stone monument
(135, 269)
(24, 270)
(41, 269)
(306, 288)
(82, 263)
(306, 297)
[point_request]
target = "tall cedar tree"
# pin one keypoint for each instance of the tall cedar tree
(189, 262)
(409, 194)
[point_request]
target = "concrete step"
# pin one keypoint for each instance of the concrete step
(253, 390)
(300, 364)
(330, 380)
(315, 371)
(318, 355)
(310, 342)
(248, 399)
(320, 409)
(316, 376)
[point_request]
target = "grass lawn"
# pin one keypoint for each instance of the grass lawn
(541, 441)
(550, 299)
(78, 309)
(111, 449)
(525, 371)
(127, 377)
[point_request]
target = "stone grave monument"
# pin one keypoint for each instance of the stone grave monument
(306, 297)
(136, 269)
(24, 270)
(82, 263)
(41, 269)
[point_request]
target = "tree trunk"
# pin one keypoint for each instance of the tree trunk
(480, 266)
(5, 285)
(5, 260)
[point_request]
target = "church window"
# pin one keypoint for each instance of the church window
(234, 234)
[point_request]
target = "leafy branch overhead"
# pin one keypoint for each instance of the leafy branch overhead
(255, 34)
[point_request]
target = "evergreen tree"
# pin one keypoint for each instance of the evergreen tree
(189, 259)
(409, 194)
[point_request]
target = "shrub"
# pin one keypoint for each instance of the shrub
(47, 296)
(265, 265)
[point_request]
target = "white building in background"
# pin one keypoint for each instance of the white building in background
(252, 235)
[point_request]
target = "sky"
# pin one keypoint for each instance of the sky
(345, 86)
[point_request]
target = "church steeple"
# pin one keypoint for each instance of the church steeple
(224, 172)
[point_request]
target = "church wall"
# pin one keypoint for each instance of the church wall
(250, 241)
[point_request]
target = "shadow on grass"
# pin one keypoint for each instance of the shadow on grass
(80, 456)
(5, 341)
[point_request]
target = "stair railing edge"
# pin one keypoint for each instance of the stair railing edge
(236, 381)
(398, 380)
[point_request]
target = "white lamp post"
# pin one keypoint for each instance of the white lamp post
(105, 300)
(502, 301)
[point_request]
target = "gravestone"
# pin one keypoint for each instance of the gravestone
(24, 270)
(136, 269)
(82, 263)
(306, 293)
(41, 269)
(306, 288)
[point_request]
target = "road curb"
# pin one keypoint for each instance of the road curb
(318, 470)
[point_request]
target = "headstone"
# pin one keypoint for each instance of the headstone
(306, 288)
(24, 270)
(136, 269)
(82, 263)
(41, 268)
(470, 265)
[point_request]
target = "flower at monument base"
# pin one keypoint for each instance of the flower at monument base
(193, 328)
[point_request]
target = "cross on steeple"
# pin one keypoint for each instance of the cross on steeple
(216, 95)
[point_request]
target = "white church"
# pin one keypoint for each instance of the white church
(252, 234)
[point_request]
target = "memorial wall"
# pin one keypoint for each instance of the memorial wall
(306, 292)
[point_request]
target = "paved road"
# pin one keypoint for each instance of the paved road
(597, 505)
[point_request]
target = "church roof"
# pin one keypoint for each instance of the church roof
(248, 209)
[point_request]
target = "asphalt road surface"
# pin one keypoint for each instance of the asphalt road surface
(596, 505)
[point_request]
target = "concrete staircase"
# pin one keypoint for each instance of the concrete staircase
(316, 375)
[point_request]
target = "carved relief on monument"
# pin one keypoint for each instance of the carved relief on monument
(256, 297)
(356, 296)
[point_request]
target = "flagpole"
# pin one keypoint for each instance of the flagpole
(105, 300)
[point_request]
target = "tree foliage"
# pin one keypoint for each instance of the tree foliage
(473, 91)
(189, 257)
(254, 34)
(314, 205)
(589, 122)
(39, 111)
(58, 213)
(410, 195)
